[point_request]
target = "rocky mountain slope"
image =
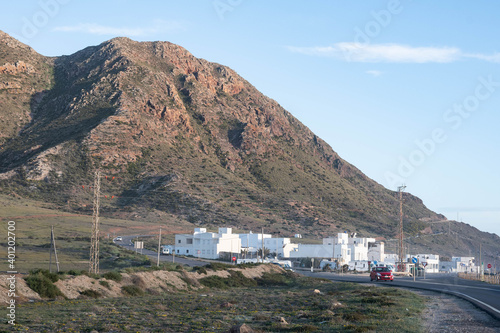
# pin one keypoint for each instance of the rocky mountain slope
(174, 135)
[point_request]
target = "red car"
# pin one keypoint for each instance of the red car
(381, 273)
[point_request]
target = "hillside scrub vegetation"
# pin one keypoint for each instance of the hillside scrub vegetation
(276, 301)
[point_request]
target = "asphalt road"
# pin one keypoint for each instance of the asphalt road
(483, 295)
(127, 242)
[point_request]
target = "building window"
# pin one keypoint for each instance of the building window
(179, 241)
(187, 251)
(189, 241)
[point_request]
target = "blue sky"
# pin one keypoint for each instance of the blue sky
(407, 91)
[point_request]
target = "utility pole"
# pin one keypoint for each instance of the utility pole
(401, 267)
(481, 262)
(53, 248)
(333, 249)
(159, 244)
(94, 240)
(262, 245)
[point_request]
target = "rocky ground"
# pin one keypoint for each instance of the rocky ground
(447, 313)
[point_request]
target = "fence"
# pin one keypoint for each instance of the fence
(493, 279)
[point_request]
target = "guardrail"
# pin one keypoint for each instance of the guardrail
(493, 279)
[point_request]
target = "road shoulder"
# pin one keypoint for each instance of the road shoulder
(446, 313)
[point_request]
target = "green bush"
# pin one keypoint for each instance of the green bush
(54, 277)
(105, 284)
(275, 279)
(43, 285)
(113, 275)
(214, 282)
(215, 266)
(200, 269)
(237, 279)
(132, 290)
(91, 293)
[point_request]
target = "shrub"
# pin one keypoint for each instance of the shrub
(354, 317)
(74, 273)
(214, 282)
(41, 284)
(272, 279)
(105, 284)
(200, 269)
(54, 277)
(215, 266)
(91, 293)
(138, 281)
(132, 290)
(237, 279)
(113, 275)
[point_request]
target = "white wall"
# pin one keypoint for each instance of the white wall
(376, 251)
(312, 251)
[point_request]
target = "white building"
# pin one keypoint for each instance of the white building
(281, 247)
(429, 261)
(252, 242)
(343, 249)
(391, 258)
(208, 245)
(359, 248)
(311, 251)
(376, 251)
(459, 264)
(465, 264)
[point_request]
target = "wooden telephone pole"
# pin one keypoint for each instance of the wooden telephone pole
(53, 249)
(159, 246)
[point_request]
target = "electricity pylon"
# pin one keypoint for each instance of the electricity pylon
(94, 240)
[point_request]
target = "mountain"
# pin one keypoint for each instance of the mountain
(177, 137)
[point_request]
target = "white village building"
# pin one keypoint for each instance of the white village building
(343, 249)
(459, 264)
(209, 245)
(280, 247)
(429, 261)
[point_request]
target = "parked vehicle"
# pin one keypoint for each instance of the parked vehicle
(167, 249)
(119, 239)
(381, 274)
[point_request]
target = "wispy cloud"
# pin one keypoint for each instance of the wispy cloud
(374, 72)
(392, 53)
(488, 57)
(158, 26)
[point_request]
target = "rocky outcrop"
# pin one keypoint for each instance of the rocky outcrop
(18, 67)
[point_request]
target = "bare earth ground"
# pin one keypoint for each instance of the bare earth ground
(447, 313)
